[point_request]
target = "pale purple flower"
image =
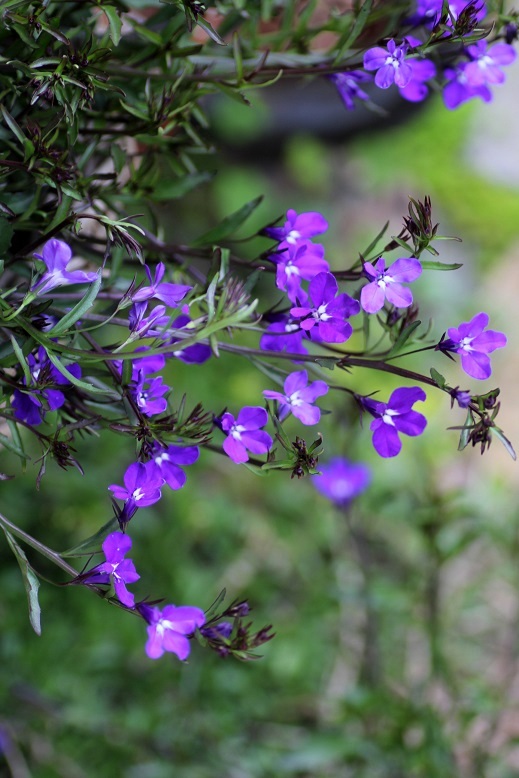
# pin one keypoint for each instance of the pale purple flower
(390, 64)
(151, 325)
(169, 629)
(149, 395)
(295, 262)
(326, 320)
(283, 334)
(394, 417)
(41, 396)
(56, 255)
(170, 294)
(341, 480)
(347, 85)
(116, 569)
(245, 433)
(486, 63)
(457, 90)
(473, 344)
(167, 463)
(142, 485)
(299, 397)
(416, 89)
(386, 283)
(298, 226)
(461, 396)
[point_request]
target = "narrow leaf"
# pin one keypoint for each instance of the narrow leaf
(115, 22)
(465, 432)
(403, 338)
(78, 310)
(228, 225)
(504, 440)
(72, 378)
(30, 581)
(431, 264)
(92, 544)
(437, 377)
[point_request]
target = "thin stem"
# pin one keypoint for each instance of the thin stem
(40, 547)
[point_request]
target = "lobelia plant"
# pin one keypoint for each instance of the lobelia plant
(104, 119)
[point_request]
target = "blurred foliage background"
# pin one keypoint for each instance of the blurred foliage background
(396, 653)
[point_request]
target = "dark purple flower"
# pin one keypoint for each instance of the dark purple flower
(341, 480)
(347, 85)
(486, 63)
(142, 485)
(474, 345)
(422, 71)
(429, 11)
(32, 404)
(326, 320)
(196, 354)
(169, 629)
(116, 569)
(298, 398)
(170, 294)
(397, 416)
(457, 90)
(386, 283)
(56, 255)
(390, 65)
(149, 396)
(284, 334)
(244, 433)
(294, 262)
(298, 226)
(166, 463)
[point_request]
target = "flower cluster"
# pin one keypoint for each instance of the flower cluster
(407, 64)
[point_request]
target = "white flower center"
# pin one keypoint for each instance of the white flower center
(320, 314)
(293, 236)
(465, 344)
(387, 416)
(291, 270)
(138, 494)
(236, 431)
(295, 399)
(161, 458)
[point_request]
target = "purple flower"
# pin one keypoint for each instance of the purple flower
(302, 260)
(196, 354)
(298, 398)
(168, 629)
(390, 65)
(396, 416)
(141, 326)
(244, 433)
(284, 334)
(329, 312)
(341, 480)
(422, 71)
(486, 63)
(170, 294)
(386, 283)
(347, 85)
(116, 569)
(462, 397)
(142, 485)
(473, 345)
(150, 396)
(56, 255)
(165, 463)
(298, 226)
(457, 90)
(32, 405)
(429, 11)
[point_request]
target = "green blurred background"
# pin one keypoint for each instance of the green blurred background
(396, 622)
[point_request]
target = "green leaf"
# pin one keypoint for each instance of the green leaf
(72, 378)
(228, 225)
(30, 581)
(375, 240)
(465, 432)
(498, 433)
(431, 264)
(93, 543)
(210, 31)
(172, 190)
(437, 377)
(9, 444)
(6, 234)
(403, 338)
(115, 22)
(78, 310)
(356, 29)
